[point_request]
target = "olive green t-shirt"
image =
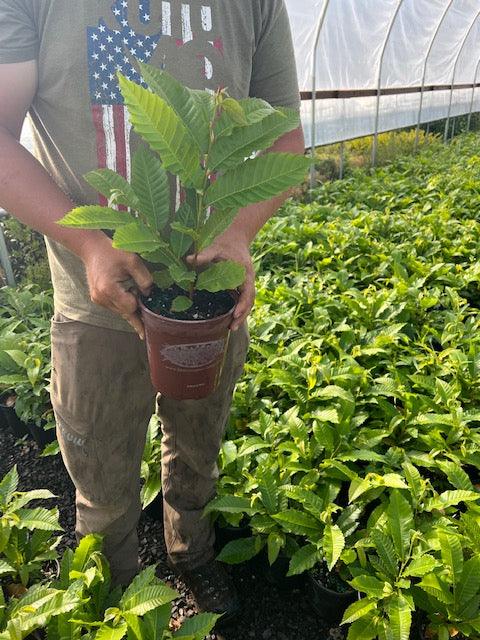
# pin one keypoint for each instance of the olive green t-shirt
(78, 117)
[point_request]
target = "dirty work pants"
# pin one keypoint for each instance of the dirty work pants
(103, 400)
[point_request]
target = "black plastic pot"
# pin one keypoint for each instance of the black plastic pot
(330, 605)
(227, 533)
(16, 426)
(42, 436)
(276, 575)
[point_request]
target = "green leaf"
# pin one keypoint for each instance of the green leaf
(452, 555)
(437, 588)
(19, 357)
(183, 101)
(372, 586)
(469, 585)
(182, 276)
(197, 627)
(95, 217)
(39, 518)
(239, 551)
(151, 185)
(109, 184)
(364, 629)
(298, 522)
(217, 223)
(180, 241)
(230, 504)
(221, 276)
(229, 152)
(156, 622)
(257, 180)
(24, 498)
(5, 568)
(451, 499)
(268, 490)
(136, 238)
(8, 485)
(456, 475)
(158, 124)
(304, 559)
(275, 543)
(148, 598)
(400, 521)
(112, 633)
(310, 501)
(162, 279)
(400, 617)
(385, 550)
(420, 566)
(333, 544)
(87, 546)
(181, 303)
(358, 610)
(235, 111)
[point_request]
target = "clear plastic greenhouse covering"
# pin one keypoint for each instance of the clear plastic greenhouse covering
(384, 64)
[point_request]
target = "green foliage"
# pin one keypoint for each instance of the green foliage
(208, 142)
(27, 537)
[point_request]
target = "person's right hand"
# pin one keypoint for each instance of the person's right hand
(109, 273)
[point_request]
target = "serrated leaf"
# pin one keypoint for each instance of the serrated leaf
(148, 598)
(456, 475)
(235, 111)
(298, 522)
(333, 544)
(420, 566)
(19, 357)
(181, 303)
(372, 586)
(87, 546)
(217, 223)
(400, 617)
(385, 550)
(275, 543)
(230, 504)
(197, 627)
(432, 584)
(303, 560)
(357, 610)
(162, 279)
(25, 497)
(182, 276)
(221, 276)
(452, 555)
(151, 186)
(267, 486)
(469, 585)
(156, 622)
(257, 180)
(95, 217)
(182, 100)
(364, 629)
(8, 485)
(136, 238)
(5, 568)
(181, 242)
(158, 124)
(229, 152)
(400, 521)
(239, 551)
(109, 183)
(451, 499)
(39, 518)
(112, 633)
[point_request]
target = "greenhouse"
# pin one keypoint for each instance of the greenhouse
(240, 320)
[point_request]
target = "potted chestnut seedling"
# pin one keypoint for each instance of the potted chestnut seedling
(211, 142)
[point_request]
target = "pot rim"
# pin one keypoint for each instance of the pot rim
(199, 323)
(340, 594)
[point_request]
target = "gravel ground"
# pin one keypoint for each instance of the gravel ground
(269, 613)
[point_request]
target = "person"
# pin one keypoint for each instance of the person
(58, 62)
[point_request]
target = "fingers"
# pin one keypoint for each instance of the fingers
(141, 275)
(115, 298)
(246, 301)
(203, 258)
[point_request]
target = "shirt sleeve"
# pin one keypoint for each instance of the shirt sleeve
(18, 34)
(274, 72)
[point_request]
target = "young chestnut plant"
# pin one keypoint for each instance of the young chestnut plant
(208, 142)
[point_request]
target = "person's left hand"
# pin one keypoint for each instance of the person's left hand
(232, 246)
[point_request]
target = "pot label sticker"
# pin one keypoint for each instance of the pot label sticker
(193, 356)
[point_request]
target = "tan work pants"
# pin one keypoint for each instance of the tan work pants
(103, 400)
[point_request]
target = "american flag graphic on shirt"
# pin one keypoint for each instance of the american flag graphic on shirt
(111, 50)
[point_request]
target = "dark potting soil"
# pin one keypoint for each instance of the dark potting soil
(330, 579)
(268, 612)
(205, 305)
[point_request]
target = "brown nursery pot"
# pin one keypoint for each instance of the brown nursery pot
(186, 356)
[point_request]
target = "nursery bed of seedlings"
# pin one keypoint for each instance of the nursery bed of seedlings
(354, 442)
(268, 614)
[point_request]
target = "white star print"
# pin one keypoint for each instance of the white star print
(94, 36)
(102, 28)
(146, 17)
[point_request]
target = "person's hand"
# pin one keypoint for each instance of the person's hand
(232, 246)
(109, 273)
